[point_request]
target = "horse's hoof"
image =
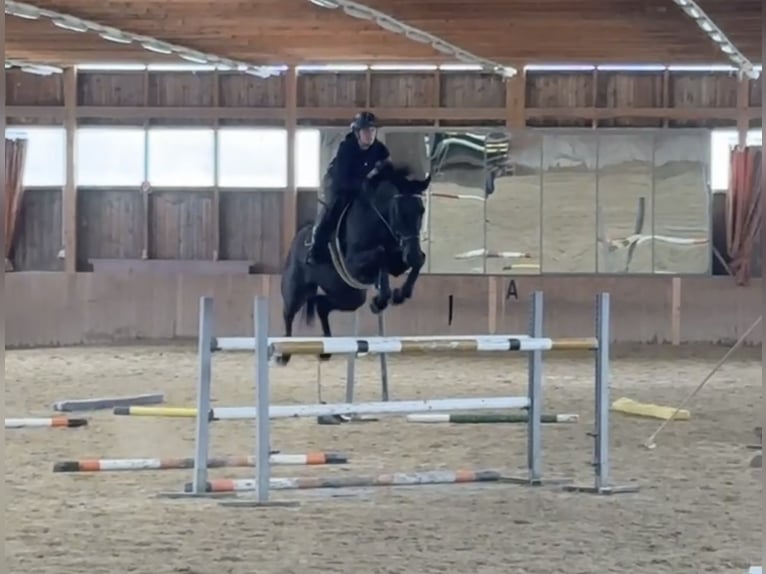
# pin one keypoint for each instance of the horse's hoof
(282, 360)
(325, 357)
(398, 297)
(376, 307)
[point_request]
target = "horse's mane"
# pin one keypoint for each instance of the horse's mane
(390, 173)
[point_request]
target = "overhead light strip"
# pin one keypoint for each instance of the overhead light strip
(707, 25)
(111, 34)
(390, 24)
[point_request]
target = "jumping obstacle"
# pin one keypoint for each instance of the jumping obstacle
(58, 422)
(464, 418)
(132, 464)
(266, 347)
(75, 405)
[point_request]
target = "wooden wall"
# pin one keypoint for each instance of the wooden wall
(249, 226)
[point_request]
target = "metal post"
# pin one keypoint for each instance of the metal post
(262, 440)
(204, 375)
(535, 393)
(384, 396)
(351, 365)
(601, 431)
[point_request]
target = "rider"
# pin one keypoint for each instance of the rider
(359, 154)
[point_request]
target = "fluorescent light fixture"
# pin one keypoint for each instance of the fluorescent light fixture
(158, 47)
(329, 4)
(113, 35)
(460, 67)
(70, 24)
(404, 67)
(23, 11)
(194, 57)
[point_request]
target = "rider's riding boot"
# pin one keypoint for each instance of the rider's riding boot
(318, 237)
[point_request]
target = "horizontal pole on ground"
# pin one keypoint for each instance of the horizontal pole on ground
(74, 405)
(481, 418)
(141, 411)
(134, 464)
(394, 345)
(393, 479)
(60, 422)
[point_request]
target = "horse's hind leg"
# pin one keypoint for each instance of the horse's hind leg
(324, 307)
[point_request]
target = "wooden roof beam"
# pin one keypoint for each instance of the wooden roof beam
(693, 10)
(76, 24)
(391, 24)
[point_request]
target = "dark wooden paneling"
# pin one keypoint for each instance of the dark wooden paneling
(181, 89)
(23, 89)
(703, 89)
(559, 90)
(241, 90)
(460, 90)
(38, 239)
(251, 228)
(111, 89)
(756, 93)
(110, 224)
(403, 90)
(332, 90)
(181, 224)
(629, 90)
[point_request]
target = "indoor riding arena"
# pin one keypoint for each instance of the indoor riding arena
(573, 193)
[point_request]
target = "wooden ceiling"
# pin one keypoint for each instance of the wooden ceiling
(297, 31)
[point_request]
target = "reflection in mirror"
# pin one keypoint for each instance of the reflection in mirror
(625, 202)
(681, 202)
(454, 227)
(569, 202)
(513, 203)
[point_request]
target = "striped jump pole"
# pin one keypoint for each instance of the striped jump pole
(478, 418)
(393, 479)
(394, 345)
(57, 422)
(133, 464)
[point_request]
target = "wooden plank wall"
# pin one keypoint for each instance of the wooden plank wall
(247, 225)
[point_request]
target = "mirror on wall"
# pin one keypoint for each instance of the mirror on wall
(454, 228)
(625, 202)
(513, 185)
(569, 202)
(681, 242)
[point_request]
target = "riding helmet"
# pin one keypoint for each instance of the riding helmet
(364, 120)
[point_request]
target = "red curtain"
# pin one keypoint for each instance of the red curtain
(743, 214)
(15, 156)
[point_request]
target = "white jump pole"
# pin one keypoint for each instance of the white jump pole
(384, 396)
(204, 380)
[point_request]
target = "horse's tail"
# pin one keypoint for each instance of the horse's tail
(310, 310)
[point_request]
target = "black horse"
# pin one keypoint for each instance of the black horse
(378, 235)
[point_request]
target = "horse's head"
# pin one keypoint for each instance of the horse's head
(405, 208)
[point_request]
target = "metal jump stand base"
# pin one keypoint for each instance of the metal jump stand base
(527, 481)
(602, 490)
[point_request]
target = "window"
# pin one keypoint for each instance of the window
(112, 156)
(307, 151)
(721, 143)
(250, 157)
(181, 157)
(45, 164)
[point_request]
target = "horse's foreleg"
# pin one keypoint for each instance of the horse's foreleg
(380, 300)
(324, 307)
(401, 294)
